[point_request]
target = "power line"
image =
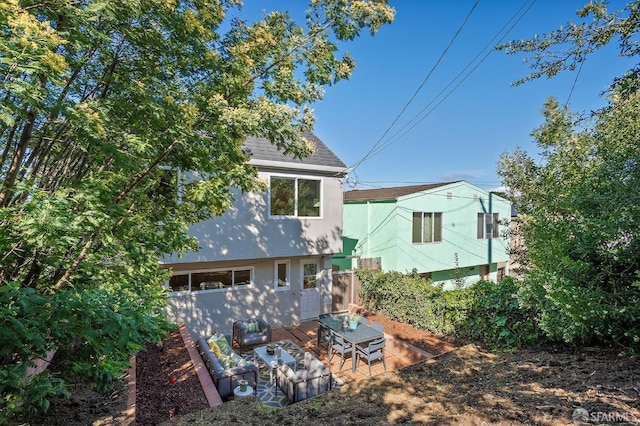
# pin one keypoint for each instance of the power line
(406, 130)
(418, 89)
(377, 148)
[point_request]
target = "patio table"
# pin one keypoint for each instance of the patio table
(362, 333)
(272, 360)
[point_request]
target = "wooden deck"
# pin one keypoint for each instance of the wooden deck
(398, 354)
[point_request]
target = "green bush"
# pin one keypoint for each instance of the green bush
(585, 315)
(24, 317)
(485, 312)
(496, 318)
(94, 332)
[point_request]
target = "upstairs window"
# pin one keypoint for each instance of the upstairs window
(426, 228)
(488, 226)
(294, 197)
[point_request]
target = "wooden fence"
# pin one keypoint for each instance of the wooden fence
(345, 289)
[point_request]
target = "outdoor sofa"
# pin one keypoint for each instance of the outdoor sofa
(225, 366)
(314, 379)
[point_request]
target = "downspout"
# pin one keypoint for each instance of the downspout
(368, 226)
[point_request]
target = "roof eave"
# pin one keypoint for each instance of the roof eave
(342, 171)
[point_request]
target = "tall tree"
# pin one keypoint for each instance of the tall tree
(101, 102)
(579, 206)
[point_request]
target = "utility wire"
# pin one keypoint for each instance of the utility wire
(406, 130)
(418, 89)
(575, 82)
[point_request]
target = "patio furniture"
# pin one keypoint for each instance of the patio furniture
(237, 393)
(341, 346)
(251, 332)
(363, 333)
(225, 367)
(272, 360)
(376, 325)
(324, 333)
(314, 379)
(373, 351)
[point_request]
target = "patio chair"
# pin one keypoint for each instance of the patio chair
(315, 378)
(373, 351)
(324, 333)
(251, 332)
(341, 346)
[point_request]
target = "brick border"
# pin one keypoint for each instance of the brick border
(397, 343)
(206, 382)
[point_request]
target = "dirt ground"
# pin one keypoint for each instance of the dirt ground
(465, 386)
(468, 387)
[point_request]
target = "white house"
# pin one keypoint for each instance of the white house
(270, 254)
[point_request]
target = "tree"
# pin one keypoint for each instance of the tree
(101, 103)
(579, 206)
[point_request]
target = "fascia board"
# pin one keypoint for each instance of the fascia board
(299, 166)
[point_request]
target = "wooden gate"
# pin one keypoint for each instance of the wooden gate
(345, 290)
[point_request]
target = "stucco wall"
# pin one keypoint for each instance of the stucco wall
(246, 231)
(459, 233)
(204, 312)
(384, 229)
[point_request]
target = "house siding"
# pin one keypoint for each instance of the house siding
(247, 237)
(246, 231)
(204, 312)
(384, 229)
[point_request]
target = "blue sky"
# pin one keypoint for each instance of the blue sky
(462, 136)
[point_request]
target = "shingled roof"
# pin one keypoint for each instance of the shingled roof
(262, 152)
(386, 194)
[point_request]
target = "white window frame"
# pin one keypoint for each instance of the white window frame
(317, 275)
(296, 180)
(234, 286)
(483, 225)
(433, 227)
(276, 278)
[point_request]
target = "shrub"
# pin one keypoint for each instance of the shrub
(485, 312)
(496, 317)
(584, 315)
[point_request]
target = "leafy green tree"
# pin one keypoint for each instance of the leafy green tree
(101, 103)
(579, 206)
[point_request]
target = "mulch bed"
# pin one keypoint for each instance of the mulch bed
(166, 382)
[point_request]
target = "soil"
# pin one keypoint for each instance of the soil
(166, 383)
(464, 386)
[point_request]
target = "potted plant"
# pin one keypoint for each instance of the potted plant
(271, 349)
(354, 319)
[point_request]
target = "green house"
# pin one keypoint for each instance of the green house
(454, 233)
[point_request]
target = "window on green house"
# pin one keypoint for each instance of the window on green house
(488, 226)
(426, 227)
